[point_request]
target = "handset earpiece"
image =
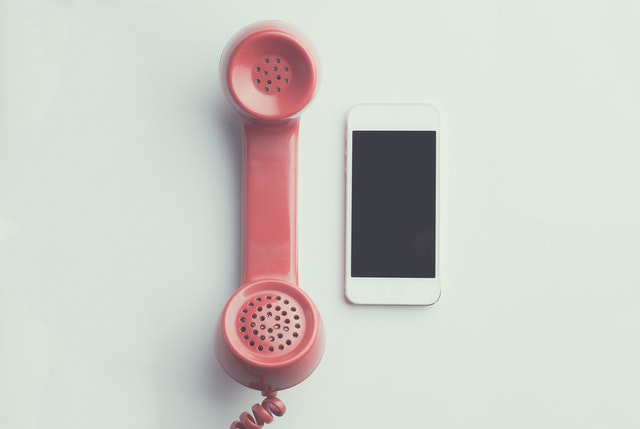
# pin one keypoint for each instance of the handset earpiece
(268, 72)
(270, 335)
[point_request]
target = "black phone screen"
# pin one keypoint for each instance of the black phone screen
(393, 216)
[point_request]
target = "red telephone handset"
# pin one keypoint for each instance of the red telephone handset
(270, 335)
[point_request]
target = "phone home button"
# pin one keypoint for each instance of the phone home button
(392, 292)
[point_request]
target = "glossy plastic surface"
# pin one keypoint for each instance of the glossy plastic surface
(269, 201)
(268, 71)
(270, 335)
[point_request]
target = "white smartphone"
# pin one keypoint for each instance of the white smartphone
(392, 193)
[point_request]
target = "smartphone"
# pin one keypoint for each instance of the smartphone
(392, 192)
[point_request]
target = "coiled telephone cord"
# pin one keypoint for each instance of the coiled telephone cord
(262, 413)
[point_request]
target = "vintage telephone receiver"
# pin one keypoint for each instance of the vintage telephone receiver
(270, 335)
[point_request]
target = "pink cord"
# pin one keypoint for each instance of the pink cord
(262, 413)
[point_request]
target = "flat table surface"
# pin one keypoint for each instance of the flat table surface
(120, 171)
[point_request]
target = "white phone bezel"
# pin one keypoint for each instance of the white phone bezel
(391, 291)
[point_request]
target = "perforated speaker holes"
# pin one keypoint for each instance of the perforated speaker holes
(272, 74)
(271, 324)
